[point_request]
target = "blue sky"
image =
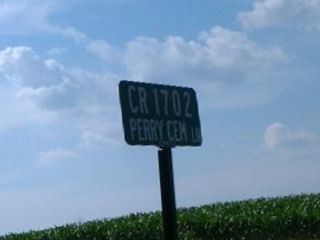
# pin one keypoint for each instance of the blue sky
(63, 159)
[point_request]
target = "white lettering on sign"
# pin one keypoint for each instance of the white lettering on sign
(195, 134)
(133, 108)
(156, 101)
(176, 101)
(132, 128)
(165, 95)
(187, 108)
(180, 104)
(177, 131)
(143, 100)
(152, 130)
(146, 129)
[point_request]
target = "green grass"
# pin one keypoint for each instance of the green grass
(292, 217)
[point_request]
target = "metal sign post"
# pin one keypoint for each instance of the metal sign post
(167, 194)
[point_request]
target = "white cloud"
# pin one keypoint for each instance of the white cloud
(70, 32)
(277, 135)
(22, 66)
(50, 84)
(218, 63)
(265, 13)
(16, 113)
(103, 50)
(29, 17)
(47, 88)
(25, 16)
(56, 51)
(52, 157)
(103, 135)
(220, 56)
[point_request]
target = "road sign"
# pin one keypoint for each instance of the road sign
(160, 115)
(164, 116)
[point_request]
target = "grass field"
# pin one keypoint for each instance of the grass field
(292, 217)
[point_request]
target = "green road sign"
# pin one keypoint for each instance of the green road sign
(160, 115)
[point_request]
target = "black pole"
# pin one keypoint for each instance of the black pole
(167, 194)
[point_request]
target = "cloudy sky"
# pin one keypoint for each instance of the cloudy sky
(63, 159)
